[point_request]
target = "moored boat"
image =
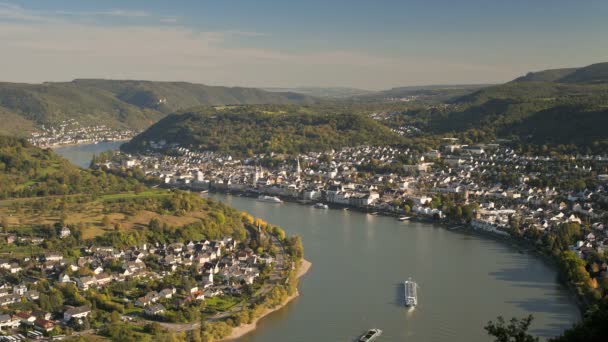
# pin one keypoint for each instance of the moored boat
(320, 206)
(270, 199)
(370, 335)
(403, 218)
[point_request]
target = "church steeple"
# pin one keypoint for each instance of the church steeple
(298, 169)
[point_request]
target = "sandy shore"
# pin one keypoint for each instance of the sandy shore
(247, 328)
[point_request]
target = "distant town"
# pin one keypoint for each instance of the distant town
(71, 132)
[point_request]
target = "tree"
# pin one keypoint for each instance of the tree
(115, 317)
(515, 331)
(4, 223)
(105, 221)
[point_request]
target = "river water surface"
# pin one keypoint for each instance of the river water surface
(360, 262)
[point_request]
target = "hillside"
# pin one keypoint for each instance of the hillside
(594, 73)
(119, 104)
(28, 171)
(559, 107)
(243, 130)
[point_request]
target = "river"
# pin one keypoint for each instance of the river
(81, 155)
(359, 264)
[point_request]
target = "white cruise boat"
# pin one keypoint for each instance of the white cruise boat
(270, 199)
(411, 294)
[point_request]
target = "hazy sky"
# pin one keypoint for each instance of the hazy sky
(369, 44)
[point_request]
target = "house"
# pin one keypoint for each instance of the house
(142, 302)
(41, 314)
(103, 279)
(155, 310)
(14, 268)
(85, 282)
(64, 278)
(20, 290)
(76, 312)
(9, 322)
(32, 295)
(42, 324)
(25, 317)
(64, 232)
(52, 256)
(167, 293)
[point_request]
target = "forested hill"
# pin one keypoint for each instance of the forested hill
(243, 130)
(558, 107)
(120, 104)
(594, 73)
(28, 171)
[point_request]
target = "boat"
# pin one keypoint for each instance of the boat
(410, 291)
(404, 218)
(270, 199)
(370, 335)
(320, 206)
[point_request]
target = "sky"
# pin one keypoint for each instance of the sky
(372, 44)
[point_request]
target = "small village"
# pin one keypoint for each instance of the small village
(71, 132)
(484, 187)
(45, 296)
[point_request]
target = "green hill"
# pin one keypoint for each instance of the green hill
(594, 73)
(243, 130)
(551, 75)
(559, 107)
(119, 104)
(28, 171)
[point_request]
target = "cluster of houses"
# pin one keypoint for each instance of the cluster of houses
(71, 132)
(35, 320)
(222, 264)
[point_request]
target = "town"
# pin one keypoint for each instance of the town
(70, 132)
(47, 295)
(488, 187)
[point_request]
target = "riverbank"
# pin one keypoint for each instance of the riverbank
(247, 328)
(93, 142)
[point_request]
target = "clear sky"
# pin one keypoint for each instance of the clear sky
(370, 44)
